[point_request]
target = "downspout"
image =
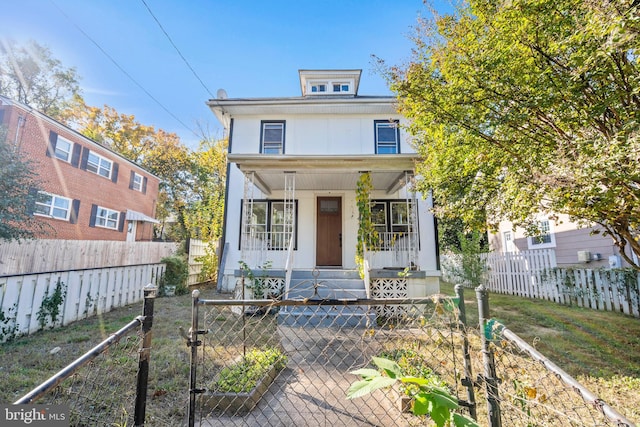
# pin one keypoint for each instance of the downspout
(223, 238)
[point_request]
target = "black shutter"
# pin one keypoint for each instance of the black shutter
(75, 207)
(84, 158)
(94, 212)
(114, 172)
(144, 185)
(75, 156)
(51, 147)
(131, 178)
(121, 225)
(31, 200)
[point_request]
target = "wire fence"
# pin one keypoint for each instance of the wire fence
(107, 386)
(524, 388)
(314, 346)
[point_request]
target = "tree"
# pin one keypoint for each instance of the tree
(29, 74)
(16, 180)
(527, 106)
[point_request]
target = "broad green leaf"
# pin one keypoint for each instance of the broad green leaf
(362, 388)
(461, 421)
(366, 372)
(390, 367)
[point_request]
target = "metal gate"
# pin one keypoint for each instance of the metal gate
(290, 362)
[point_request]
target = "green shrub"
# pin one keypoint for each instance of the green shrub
(175, 274)
(243, 376)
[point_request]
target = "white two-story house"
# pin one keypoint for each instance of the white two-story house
(292, 212)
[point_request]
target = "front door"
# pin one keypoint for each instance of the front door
(329, 232)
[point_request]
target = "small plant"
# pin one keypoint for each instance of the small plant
(8, 324)
(243, 376)
(429, 399)
(175, 274)
(258, 285)
(367, 235)
(50, 306)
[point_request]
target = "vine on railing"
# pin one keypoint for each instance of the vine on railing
(367, 234)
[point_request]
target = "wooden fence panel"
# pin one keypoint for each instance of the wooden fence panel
(37, 256)
(87, 292)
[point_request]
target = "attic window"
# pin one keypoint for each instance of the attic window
(318, 87)
(341, 87)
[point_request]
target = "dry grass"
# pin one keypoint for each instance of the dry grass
(600, 349)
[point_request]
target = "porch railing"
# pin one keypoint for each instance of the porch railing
(394, 249)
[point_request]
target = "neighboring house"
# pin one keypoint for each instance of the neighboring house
(86, 191)
(294, 166)
(573, 245)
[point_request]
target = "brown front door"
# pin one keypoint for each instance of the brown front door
(329, 232)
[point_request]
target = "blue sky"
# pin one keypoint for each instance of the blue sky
(249, 48)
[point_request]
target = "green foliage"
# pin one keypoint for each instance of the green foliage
(529, 106)
(431, 400)
(367, 235)
(50, 306)
(257, 284)
(243, 376)
(469, 268)
(17, 177)
(209, 260)
(175, 274)
(29, 74)
(8, 324)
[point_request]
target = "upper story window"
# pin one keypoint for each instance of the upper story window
(100, 165)
(341, 87)
(52, 206)
(318, 87)
(63, 149)
(272, 137)
(545, 237)
(137, 182)
(387, 135)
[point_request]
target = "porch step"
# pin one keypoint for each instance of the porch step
(323, 285)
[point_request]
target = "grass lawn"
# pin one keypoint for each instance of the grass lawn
(599, 349)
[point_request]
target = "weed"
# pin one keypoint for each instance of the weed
(50, 307)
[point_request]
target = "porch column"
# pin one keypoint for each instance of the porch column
(412, 219)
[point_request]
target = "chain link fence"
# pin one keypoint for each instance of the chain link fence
(107, 386)
(314, 346)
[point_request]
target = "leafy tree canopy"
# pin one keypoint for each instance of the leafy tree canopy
(29, 74)
(527, 106)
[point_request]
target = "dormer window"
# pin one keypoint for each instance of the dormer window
(341, 87)
(318, 87)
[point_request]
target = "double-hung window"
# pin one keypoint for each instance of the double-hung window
(272, 137)
(545, 237)
(100, 165)
(390, 219)
(63, 149)
(106, 218)
(269, 222)
(52, 206)
(387, 136)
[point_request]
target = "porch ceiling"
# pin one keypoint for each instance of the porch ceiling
(325, 173)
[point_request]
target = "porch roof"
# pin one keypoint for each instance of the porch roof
(326, 172)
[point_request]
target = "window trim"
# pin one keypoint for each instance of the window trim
(396, 124)
(56, 149)
(109, 211)
(99, 166)
(531, 244)
(268, 225)
(263, 124)
(52, 207)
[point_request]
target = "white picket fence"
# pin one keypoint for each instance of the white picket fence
(534, 274)
(197, 249)
(86, 293)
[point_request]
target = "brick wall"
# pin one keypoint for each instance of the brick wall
(30, 132)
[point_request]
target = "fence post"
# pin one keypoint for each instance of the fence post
(490, 380)
(467, 381)
(145, 352)
(193, 342)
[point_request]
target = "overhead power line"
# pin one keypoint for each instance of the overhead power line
(177, 50)
(122, 69)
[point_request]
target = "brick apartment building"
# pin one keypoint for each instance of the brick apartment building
(86, 190)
